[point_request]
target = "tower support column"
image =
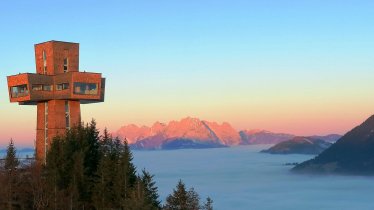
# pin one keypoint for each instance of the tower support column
(54, 117)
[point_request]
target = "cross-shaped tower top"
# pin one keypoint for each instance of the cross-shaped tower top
(58, 89)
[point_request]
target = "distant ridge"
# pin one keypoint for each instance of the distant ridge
(19, 150)
(195, 133)
(329, 138)
(263, 137)
(299, 145)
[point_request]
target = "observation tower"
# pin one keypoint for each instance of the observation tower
(57, 89)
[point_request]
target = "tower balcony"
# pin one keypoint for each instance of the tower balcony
(28, 88)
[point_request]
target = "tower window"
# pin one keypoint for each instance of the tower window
(66, 62)
(62, 86)
(67, 115)
(44, 56)
(85, 88)
(66, 106)
(44, 62)
(19, 91)
(67, 118)
(37, 87)
(47, 87)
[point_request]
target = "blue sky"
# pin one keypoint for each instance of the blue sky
(304, 67)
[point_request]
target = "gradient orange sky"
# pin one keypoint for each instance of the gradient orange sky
(304, 68)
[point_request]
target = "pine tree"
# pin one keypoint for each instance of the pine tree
(104, 194)
(126, 174)
(183, 199)
(179, 198)
(193, 199)
(53, 171)
(208, 205)
(91, 149)
(144, 194)
(90, 154)
(150, 190)
(11, 160)
(137, 197)
(38, 187)
(11, 174)
(70, 170)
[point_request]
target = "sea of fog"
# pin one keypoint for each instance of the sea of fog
(243, 178)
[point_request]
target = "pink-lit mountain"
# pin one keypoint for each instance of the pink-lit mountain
(194, 133)
(188, 132)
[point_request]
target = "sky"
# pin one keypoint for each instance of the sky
(301, 67)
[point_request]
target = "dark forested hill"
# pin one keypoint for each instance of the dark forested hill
(351, 154)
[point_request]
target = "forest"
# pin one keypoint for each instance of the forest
(88, 171)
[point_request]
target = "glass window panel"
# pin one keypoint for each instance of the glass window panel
(65, 64)
(67, 119)
(44, 62)
(65, 86)
(19, 91)
(66, 106)
(44, 56)
(62, 86)
(85, 88)
(47, 87)
(37, 87)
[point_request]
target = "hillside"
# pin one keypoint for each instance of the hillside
(351, 154)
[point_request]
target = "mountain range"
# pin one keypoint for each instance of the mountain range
(351, 154)
(195, 133)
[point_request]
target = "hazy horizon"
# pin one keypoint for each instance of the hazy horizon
(29, 144)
